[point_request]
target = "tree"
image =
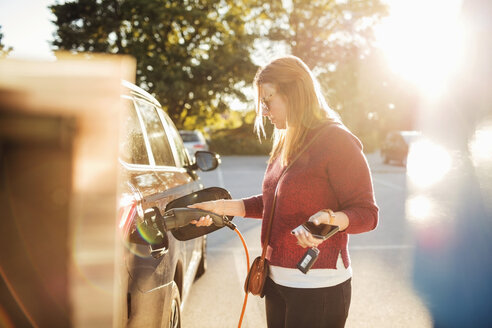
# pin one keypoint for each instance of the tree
(4, 50)
(371, 99)
(333, 37)
(191, 54)
(323, 32)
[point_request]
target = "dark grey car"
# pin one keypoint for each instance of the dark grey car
(153, 278)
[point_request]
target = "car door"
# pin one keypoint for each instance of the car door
(193, 247)
(143, 184)
(169, 166)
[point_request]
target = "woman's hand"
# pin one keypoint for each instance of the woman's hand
(215, 206)
(230, 207)
(203, 221)
(211, 206)
(305, 238)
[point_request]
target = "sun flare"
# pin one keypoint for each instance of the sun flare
(418, 208)
(428, 163)
(422, 41)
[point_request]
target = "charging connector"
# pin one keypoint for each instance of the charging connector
(228, 223)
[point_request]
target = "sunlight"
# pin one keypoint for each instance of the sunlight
(418, 208)
(422, 41)
(481, 145)
(428, 163)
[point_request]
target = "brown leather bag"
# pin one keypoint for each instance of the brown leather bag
(257, 274)
(255, 280)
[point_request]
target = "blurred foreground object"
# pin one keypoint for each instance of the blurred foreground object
(59, 130)
(450, 186)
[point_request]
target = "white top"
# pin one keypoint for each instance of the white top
(314, 278)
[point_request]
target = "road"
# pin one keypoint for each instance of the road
(382, 293)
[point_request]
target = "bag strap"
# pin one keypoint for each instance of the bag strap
(269, 226)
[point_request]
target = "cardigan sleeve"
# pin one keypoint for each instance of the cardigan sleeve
(253, 206)
(350, 178)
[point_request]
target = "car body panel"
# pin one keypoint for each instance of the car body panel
(150, 178)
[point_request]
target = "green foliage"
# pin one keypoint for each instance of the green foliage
(323, 32)
(230, 119)
(4, 50)
(241, 140)
(194, 56)
(370, 98)
(333, 37)
(190, 53)
(232, 144)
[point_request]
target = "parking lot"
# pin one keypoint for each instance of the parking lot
(382, 259)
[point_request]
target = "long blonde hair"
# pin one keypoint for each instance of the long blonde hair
(306, 105)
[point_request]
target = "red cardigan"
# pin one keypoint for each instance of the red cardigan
(332, 173)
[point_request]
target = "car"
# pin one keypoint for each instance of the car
(193, 141)
(154, 270)
(396, 145)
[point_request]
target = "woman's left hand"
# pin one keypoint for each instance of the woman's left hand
(304, 238)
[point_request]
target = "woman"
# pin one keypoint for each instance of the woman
(329, 183)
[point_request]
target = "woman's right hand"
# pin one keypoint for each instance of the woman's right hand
(229, 207)
(210, 206)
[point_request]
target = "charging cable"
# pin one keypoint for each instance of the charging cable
(232, 226)
(246, 294)
(178, 217)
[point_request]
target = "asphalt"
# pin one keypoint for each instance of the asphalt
(382, 260)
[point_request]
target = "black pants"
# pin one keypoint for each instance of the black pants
(307, 307)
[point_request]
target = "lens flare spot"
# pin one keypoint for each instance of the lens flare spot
(419, 208)
(419, 49)
(428, 163)
(145, 233)
(481, 145)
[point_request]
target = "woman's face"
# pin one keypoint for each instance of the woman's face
(273, 105)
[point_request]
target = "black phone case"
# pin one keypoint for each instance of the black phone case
(330, 233)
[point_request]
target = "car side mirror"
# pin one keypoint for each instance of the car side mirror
(205, 161)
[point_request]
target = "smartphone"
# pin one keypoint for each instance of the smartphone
(321, 231)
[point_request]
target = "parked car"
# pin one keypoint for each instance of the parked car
(396, 145)
(193, 141)
(155, 271)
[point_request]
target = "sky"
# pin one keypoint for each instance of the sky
(26, 26)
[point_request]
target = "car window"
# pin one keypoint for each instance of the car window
(133, 150)
(180, 149)
(189, 137)
(159, 144)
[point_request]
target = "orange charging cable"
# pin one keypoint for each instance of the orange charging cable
(247, 260)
